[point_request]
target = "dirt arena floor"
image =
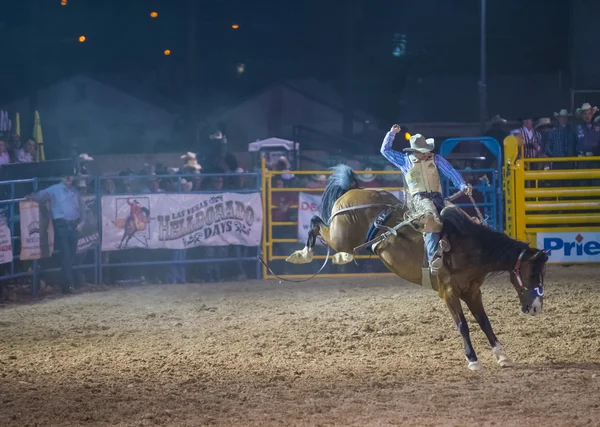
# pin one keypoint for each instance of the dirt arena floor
(348, 352)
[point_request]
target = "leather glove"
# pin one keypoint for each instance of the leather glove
(468, 190)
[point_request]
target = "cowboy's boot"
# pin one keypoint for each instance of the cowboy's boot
(437, 260)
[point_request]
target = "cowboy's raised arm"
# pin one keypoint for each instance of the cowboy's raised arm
(449, 172)
(396, 158)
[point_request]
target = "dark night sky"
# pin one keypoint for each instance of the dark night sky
(278, 39)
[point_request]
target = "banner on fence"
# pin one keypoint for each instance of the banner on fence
(37, 232)
(6, 253)
(179, 221)
(89, 234)
(308, 206)
(572, 246)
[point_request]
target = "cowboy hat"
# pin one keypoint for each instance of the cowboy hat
(84, 157)
(543, 122)
(319, 178)
(563, 113)
(420, 144)
(188, 156)
(497, 119)
(586, 106)
(366, 177)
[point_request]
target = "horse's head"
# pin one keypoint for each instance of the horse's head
(528, 279)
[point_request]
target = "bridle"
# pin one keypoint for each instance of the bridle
(538, 291)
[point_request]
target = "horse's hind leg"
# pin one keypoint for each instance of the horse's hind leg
(453, 304)
(475, 304)
(304, 256)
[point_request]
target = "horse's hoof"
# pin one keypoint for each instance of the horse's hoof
(501, 358)
(475, 366)
(342, 258)
(300, 257)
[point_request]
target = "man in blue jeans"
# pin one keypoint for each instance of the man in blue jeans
(68, 216)
(421, 170)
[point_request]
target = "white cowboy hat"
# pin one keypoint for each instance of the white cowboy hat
(497, 119)
(366, 177)
(545, 121)
(562, 113)
(84, 157)
(586, 106)
(81, 183)
(390, 177)
(188, 156)
(319, 178)
(420, 144)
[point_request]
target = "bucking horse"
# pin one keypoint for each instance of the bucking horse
(473, 252)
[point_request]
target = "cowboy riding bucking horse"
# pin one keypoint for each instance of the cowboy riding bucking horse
(421, 169)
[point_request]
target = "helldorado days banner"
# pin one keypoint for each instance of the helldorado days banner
(179, 221)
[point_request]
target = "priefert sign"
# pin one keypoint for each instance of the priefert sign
(571, 247)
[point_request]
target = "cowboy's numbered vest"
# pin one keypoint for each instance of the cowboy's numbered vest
(423, 177)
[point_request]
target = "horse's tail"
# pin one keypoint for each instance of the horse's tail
(342, 180)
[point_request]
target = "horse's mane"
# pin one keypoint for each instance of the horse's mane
(342, 180)
(490, 248)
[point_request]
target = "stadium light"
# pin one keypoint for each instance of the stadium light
(153, 14)
(235, 26)
(63, 2)
(82, 39)
(167, 52)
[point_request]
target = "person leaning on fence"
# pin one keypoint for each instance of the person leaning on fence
(587, 135)
(68, 217)
(421, 169)
(588, 139)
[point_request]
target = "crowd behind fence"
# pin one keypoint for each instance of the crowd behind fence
(132, 265)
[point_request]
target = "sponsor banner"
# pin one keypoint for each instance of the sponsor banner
(179, 221)
(89, 234)
(37, 232)
(6, 252)
(571, 246)
(308, 206)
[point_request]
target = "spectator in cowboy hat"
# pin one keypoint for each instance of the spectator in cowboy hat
(543, 127)
(191, 164)
(531, 138)
(588, 137)
(81, 163)
(562, 140)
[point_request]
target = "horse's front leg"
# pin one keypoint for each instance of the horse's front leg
(475, 304)
(453, 304)
(304, 256)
